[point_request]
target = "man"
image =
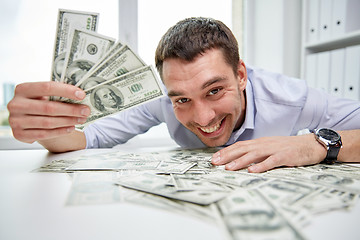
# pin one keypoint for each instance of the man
(213, 100)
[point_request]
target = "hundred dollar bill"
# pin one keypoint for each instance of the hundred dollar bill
(93, 188)
(345, 180)
(69, 19)
(107, 55)
(248, 215)
(123, 92)
(85, 49)
(123, 61)
(112, 165)
(158, 184)
(329, 199)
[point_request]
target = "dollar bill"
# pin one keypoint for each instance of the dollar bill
(56, 166)
(204, 213)
(112, 165)
(122, 61)
(248, 215)
(123, 92)
(94, 188)
(327, 200)
(347, 179)
(158, 184)
(68, 19)
(85, 49)
(112, 51)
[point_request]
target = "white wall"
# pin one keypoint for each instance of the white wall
(273, 35)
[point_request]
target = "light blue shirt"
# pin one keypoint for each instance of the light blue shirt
(276, 105)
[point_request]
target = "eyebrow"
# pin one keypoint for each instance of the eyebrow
(205, 85)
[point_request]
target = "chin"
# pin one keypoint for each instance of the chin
(214, 143)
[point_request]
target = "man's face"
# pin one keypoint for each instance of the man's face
(107, 97)
(207, 96)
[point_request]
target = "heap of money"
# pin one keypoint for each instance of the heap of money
(273, 205)
(113, 76)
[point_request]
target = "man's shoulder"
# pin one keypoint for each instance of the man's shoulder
(277, 88)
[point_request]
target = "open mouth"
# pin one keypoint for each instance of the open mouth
(212, 129)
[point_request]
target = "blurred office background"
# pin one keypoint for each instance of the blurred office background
(287, 36)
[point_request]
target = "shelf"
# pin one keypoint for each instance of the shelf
(350, 39)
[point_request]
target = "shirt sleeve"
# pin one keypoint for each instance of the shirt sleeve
(324, 110)
(119, 128)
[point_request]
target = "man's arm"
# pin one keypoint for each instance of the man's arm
(33, 117)
(266, 153)
(61, 143)
(350, 152)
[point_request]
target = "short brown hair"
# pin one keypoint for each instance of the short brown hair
(193, 36)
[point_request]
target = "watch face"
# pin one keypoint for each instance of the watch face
(329, 134)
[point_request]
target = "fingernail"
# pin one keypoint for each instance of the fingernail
(81, 120)
(252, 168)
(70, 129)
(230, 165)
(80, 94)
(85, 111)
(216, 158)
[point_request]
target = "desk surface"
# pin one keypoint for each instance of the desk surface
(32, 206)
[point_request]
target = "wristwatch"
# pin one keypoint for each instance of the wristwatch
(331, 140)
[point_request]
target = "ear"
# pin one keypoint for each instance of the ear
(242, 75)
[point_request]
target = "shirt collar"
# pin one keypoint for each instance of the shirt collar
(249, 115)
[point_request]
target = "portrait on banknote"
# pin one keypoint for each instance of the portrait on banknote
(107, 98)
(59, 64)
(77, 70)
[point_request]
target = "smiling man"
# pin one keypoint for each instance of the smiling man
(213, 100)
(214, 105)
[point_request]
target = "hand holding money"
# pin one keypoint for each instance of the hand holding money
(33, 117)
(92, 62)
(112, 75)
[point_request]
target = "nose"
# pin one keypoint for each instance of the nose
(203, 113)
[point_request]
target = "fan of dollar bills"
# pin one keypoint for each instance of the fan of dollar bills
(113, 76)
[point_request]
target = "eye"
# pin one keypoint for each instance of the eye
(214, 91)
(182, 100)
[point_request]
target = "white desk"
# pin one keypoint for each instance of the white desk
(32, 206)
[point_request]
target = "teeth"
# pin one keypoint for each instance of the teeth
(211, 129)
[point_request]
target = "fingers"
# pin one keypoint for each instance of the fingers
(32, 135)
(236, 151)
(32, 117)
(270, 163)
(46, 108)
(41, 122)
(50, 88)
(257, 155)
(237, 161)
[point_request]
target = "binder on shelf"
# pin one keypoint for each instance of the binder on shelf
(338, 18)
(325, 19)
(310, 70)
(352, 15)
(313, 20)
(323, 71)
(337, 64)
(352, 72)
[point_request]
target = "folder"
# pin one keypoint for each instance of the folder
(323, 71)
(325, 19)
(352, 15)
(352, 72)
(313, 21)
(310, 70)
(337, 64)
(338, 19)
